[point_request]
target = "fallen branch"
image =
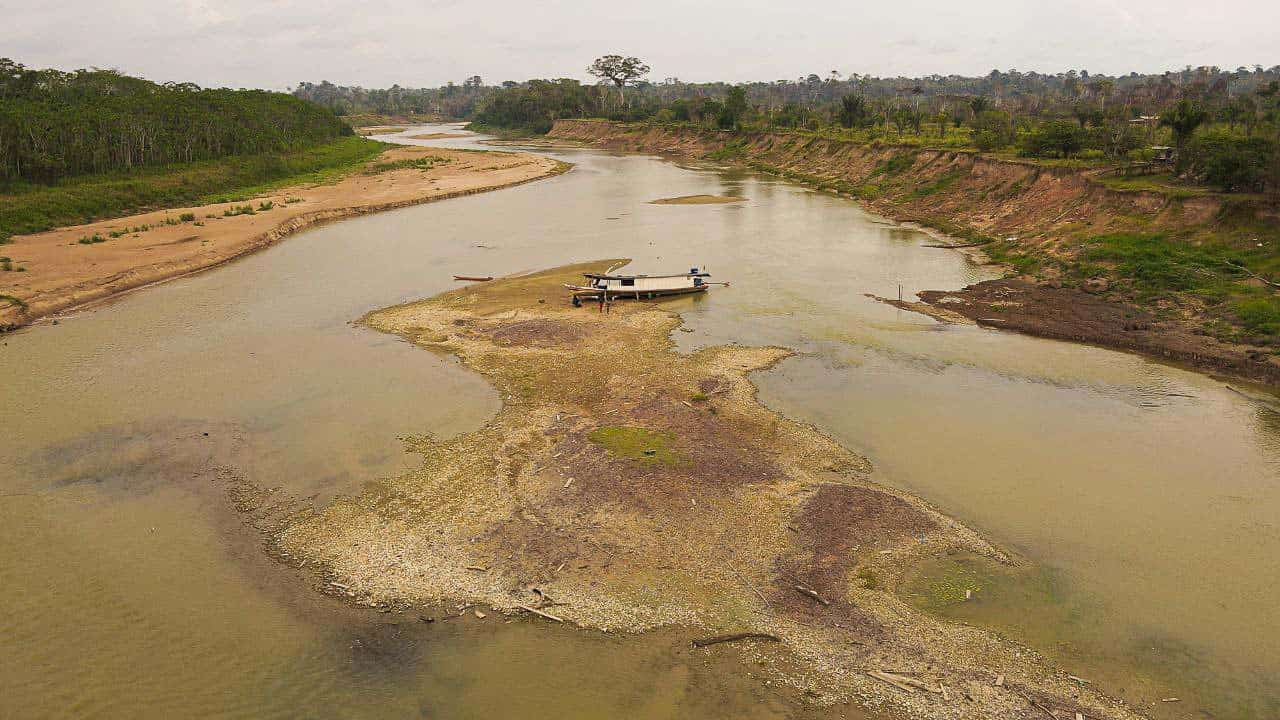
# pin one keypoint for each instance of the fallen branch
(536, 611)
(747, 582)
(1037, 705)
(810, 593)
(893, 680)
(473, 278)
(1253, 274)
(703, 642)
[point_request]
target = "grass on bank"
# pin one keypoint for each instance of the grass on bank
(29, 207)
(1158, 266)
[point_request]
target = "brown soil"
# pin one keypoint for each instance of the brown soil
(711, 522)
(1043, 210)
(62, 273)
(1070, 314)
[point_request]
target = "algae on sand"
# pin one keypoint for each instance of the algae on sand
(637, 443)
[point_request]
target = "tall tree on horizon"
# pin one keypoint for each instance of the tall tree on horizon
(618, 70)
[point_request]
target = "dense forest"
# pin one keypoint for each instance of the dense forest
(1223, 124)
(450, 101)
(56, 124)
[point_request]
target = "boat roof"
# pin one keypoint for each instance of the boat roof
(603, 276)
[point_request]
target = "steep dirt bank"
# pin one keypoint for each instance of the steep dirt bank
(72, 266)
(1039, 217)
(633, 490)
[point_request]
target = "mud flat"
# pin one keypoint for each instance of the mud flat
(625, 486)
(1071, 314)
(72, 266)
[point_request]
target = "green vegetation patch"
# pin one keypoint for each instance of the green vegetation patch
(31, 207)
(942, 183)
(895, 165)
(419, 163)
(733, 150)
(643, 445)
(1260, 316)
(1157, 263)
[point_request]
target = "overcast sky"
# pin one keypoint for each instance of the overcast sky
(419, 43)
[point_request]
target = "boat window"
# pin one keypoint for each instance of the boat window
(628, 282)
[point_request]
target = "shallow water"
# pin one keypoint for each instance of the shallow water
(134, 590)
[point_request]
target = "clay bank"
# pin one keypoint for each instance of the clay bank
(1157, 271)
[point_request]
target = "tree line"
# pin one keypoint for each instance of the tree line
(56, 124)
(1225, 124)
(453, 100)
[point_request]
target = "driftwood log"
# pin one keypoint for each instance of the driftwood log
(703, 642)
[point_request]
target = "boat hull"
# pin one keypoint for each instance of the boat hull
(589, 294)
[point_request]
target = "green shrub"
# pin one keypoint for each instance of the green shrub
(987, 141)
(1230, 162)
(1055, 138)
(1259, 315)
(187, 217)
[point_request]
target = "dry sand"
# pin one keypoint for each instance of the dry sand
(626, 486)
(61, 273)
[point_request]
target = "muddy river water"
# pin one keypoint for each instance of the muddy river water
(1145, 499)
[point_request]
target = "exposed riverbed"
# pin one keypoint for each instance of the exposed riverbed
(1153, 514)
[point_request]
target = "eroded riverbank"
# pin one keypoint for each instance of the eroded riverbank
(1047, 219)
(625, 486)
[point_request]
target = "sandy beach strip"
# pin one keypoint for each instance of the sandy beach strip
(63, 273)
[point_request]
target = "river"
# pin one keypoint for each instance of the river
(1145, 498)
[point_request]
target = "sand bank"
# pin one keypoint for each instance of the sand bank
(625, 486)
(62, 272)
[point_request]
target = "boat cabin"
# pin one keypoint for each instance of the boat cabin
(625, 284)
(604, 286)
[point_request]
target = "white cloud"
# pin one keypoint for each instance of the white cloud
(275, 43)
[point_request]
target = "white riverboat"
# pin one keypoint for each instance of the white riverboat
(603, 287)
